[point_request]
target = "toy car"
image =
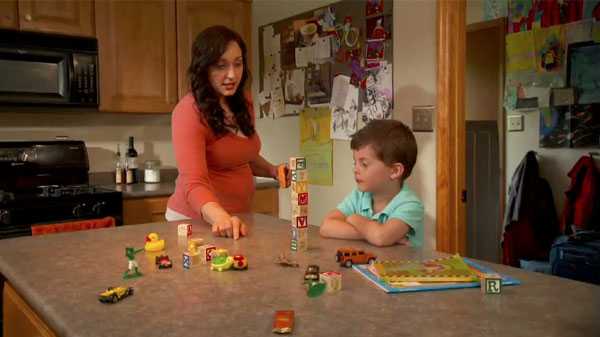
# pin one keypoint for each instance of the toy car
(240, 262)
(163, 262)
(221, 263)
(284, 321)
(312, 273)
(346, 257)
(114, 295)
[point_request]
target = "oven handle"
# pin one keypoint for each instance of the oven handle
(73, 226)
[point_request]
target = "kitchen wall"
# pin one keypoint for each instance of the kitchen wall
(100, 131)
(554, 163)
(414, 35)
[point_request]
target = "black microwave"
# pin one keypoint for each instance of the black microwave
(50, 70)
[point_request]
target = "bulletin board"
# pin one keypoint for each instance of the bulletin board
(553, 65)
(337, 57)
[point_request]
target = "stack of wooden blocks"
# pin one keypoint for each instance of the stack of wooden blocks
(299, 200)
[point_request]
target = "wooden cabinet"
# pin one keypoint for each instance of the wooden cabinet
(152, 209)
(266, 201)
(144, 210)
(145, 48)
(57, 16)
(137, 52)
(8, 14)
(19, 319)
(195, 16)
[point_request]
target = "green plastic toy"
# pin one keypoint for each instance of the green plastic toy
(132, 269)
(316, 288)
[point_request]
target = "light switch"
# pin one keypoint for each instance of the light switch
(423, 118)
(515, 123)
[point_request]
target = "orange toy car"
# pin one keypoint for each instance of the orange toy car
(346, 257)
(284, 321)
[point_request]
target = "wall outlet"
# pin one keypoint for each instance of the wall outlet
(423, 118)
(515, 123)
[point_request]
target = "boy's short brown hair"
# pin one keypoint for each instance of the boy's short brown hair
(392, 141)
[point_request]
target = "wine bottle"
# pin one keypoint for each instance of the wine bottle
(132, 165)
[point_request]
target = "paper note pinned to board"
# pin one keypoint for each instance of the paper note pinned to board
(323, 48)
(339, 91)
(304, 56)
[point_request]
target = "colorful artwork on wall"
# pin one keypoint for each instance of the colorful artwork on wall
(584, 71)
(554, 128)
(549, 49)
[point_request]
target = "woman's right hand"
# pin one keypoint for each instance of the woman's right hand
(230, 226)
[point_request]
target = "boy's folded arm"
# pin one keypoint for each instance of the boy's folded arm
(377, 234)
(334, 225)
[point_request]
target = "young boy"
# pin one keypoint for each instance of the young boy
(381, 209)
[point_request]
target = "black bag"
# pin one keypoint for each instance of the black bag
(577, 257)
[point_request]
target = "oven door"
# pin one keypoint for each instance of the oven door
(34, 76)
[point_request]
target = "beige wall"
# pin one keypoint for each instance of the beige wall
(475, 11)
(554, 163)
(414, 84)
(101, 133)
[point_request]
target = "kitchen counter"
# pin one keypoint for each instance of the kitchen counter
(163, 189)
(60, 276)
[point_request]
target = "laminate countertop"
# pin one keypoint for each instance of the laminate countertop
(61, 275)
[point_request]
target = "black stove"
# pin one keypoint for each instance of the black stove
(47, 182)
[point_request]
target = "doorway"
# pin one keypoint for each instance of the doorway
(484, 78)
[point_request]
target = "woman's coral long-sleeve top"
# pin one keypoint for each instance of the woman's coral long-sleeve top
(211, 168)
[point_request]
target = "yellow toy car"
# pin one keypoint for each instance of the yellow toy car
(114, 295)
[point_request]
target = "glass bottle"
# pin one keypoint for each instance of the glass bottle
(119, 168)
(132, 165)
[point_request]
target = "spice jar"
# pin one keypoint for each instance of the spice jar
(152, 171)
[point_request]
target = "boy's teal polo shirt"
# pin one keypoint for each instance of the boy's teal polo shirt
(405, 206)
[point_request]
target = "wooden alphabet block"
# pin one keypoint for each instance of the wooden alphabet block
(302, 198)
(299, 175)
(491, 284)
(300, 221)
(184, 229)
(302, 239)
(299, 239)
(187, 261)
(297, 163)
(299, 210)
(333, 281)
(206, 251)
(299, 186)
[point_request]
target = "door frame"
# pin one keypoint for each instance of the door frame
(451, 228)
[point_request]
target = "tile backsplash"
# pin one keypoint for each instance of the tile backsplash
(101, 133)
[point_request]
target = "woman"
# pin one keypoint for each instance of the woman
(215, 141)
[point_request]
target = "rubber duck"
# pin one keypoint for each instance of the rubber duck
(153, 243)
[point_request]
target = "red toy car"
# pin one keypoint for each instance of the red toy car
(240, 262)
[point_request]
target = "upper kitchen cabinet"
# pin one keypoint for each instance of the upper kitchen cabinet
(195, 16)
(138, 55)
(56, 16)
(8, 14)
